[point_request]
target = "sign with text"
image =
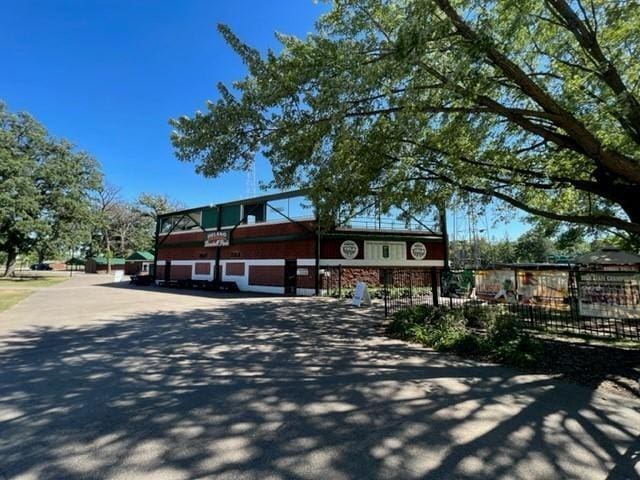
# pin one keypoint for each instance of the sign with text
(217, 239)
(361, 295)
(349, 249)
(609, 294)
(418, 251)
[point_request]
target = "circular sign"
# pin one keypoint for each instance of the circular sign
(418, 251)
(349, 249)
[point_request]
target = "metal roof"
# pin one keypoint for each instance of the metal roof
(103, 260)
(608, 256)
(244, 201)
(140, 255)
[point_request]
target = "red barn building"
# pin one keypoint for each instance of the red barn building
(262, 245)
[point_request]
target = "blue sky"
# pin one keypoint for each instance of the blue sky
(107, 75)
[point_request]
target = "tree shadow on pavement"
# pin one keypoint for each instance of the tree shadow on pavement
(284, 389)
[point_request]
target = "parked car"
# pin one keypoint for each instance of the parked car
(41, 266)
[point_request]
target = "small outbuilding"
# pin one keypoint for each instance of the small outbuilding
(100, 264)
(139, 263)
(74, 264)
(609, 259)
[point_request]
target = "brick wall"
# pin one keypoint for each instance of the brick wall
(353, 275)
(270, 276)
(292, 249)
(263, 230)
(181, 272)
(416, 276)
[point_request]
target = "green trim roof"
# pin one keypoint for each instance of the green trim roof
(103, 260)
(250, 200)
(141, 255)
(74, 261)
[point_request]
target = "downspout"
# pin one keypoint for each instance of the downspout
(155, 251)
(216, 275)
(317, 280)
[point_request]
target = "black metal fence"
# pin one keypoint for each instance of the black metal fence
(596, 310)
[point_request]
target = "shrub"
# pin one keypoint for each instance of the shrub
(470, 345)
(502, 329)
(520, 352)
(402, 327)
(436, 327)
(420, 314)
(509, 344)
(481, 316)
(446, 330)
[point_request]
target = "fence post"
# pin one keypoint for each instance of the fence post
(434, 286)
(573, 295)
(410, 288)
(385, 292)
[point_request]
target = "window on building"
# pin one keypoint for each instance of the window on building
(175, 223)
(388, 251)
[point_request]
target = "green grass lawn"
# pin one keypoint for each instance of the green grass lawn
(9, 298)
(30, 281)
(15, 289)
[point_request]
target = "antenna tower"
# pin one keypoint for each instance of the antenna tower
(250, 184)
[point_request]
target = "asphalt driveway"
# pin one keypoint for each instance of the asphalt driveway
(115, 382)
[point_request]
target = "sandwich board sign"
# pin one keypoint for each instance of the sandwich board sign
(361, 295)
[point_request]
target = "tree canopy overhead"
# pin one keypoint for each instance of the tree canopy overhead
(531, 102)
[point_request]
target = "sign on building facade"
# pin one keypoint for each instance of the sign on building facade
(218, 238)
(418, 251)
(349, 249)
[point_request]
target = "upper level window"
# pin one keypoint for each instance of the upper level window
(378, 250)
(176, 223)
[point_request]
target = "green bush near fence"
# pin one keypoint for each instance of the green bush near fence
(491, 333)
(378, 292)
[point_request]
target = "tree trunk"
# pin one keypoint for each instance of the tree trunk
(108, 243)
(10, 265)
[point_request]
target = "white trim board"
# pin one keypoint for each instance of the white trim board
(257, 262)
(334, 262)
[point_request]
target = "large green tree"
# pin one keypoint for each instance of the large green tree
(532, 102)
(121, 227)
(44, 189)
